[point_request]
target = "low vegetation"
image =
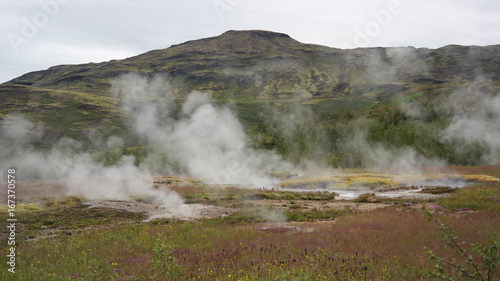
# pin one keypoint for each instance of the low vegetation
(289, 243)
(475, 261)
(380, 181)
(480, 197)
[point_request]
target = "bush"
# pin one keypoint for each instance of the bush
(481, 266)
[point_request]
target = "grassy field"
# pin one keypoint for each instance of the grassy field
(64, 240)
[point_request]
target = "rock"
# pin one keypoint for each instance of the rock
(367, 198)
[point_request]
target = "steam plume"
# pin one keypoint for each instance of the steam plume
(206, 142)
(68, 162)
(475, 122)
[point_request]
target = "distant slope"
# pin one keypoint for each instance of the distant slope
(62, 112)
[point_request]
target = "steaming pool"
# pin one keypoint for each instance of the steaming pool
(353, 194)
(350, 187)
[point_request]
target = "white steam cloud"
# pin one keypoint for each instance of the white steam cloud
(476, 122)
(67, 162)
(206, 142)
(399, 160)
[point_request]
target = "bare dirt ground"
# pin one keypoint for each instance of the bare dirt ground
(42, 191)
(319, 205)
(153, 211)
(294, 227)
(204, 211)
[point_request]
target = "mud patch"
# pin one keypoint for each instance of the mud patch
(153, 212)
(318, 205)
(294, 227)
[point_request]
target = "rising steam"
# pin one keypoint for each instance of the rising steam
(475, 121)
(384, 157)
(207, 141)
(67, 161)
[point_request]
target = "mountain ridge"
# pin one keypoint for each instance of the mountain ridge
(252, 66)
(206, 64)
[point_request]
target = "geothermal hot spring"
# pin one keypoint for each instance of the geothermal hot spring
(350, 186)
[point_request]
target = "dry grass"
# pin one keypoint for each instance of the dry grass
(368, 246)
(481, 178)
(345, 180)
(175, 180)
(377, 180)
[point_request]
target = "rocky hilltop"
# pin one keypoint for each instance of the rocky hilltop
(265, 64)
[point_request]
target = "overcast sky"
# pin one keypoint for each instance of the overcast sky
(37, 34)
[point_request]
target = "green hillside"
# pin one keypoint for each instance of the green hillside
(266, 75)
